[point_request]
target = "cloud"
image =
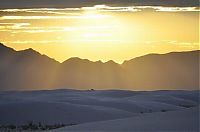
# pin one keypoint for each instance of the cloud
(70, 13)
(12, 26)
(28, 28)
(84, 16)
(180, 44)
(36, 42)
(176, 9)
(58, 11)
(84, 3)
(106, 8)
(57, 41)
(140, 8)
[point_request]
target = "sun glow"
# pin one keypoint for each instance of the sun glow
(97, 28)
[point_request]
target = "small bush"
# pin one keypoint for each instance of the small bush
(31, 126)
(163, 110)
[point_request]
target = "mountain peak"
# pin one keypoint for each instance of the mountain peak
(29, 51)
(99, 61)
(76, 60)
(2, 45)
(5, 48)
(111, 62)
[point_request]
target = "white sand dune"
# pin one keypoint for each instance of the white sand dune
(52, 113)
(177, 121)
(120, 109)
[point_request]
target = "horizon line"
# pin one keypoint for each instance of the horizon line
(74, 57)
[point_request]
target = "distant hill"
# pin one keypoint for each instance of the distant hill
(29, 70)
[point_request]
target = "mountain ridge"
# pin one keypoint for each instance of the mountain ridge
(71, 58)
(28, 69)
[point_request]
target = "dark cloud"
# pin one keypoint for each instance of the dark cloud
(80, 3)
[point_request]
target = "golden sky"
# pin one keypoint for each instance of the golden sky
(101, 32)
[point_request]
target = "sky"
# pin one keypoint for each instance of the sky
(100, 30)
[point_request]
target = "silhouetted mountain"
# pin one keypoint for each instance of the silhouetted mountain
(28, 70)
(176, 70)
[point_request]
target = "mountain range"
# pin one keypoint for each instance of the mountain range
(30, 70)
